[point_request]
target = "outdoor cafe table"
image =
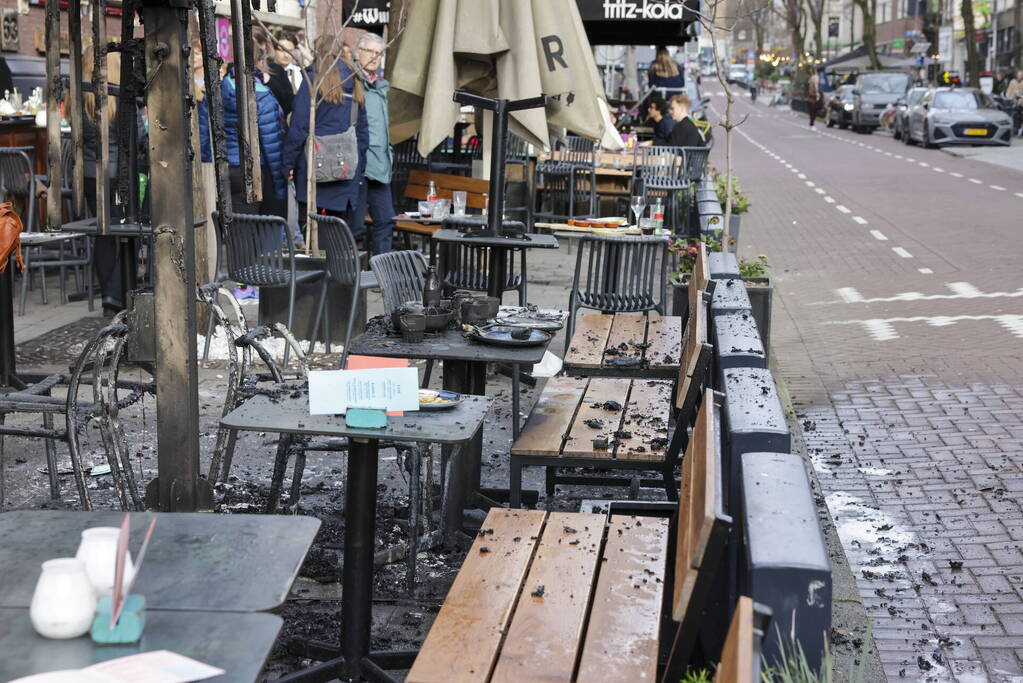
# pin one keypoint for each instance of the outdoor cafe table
(465, 372)
(196, 561)
(237, 642)
(496, 276)
(291, 416)
(637, 345)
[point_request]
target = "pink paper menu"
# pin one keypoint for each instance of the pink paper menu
(160, 666)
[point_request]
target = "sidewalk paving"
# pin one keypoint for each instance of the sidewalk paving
(1008, 157)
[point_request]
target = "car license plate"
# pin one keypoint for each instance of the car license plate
(975, 131)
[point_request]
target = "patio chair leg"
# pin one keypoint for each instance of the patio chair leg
(51, 459)
(25, 277)
(3, 418)
(291, 315)
(277, 480)
(76, 463)
(414, 490)
(209, 328)
(296, 479)
(315, 330)
(426, 373)
(89, 286)
(515, 400)
(549, 474)
(106, 434)
(515, 484)
(670, 487)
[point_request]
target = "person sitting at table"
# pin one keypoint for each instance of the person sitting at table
(685, 133)
(657, 111)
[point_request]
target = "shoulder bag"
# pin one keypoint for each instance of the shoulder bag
(337, 155)
(10, 236)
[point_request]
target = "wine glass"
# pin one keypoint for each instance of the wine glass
(638, 207)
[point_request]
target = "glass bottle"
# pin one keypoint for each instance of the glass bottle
(63, 604)
(431, 289)
(658, 214)
(431, 193)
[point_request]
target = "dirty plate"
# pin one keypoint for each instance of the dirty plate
(438, 400)
(505, 335)
(524, 321)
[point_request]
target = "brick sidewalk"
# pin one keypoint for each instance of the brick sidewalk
(907, 383)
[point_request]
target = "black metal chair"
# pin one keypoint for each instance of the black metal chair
(344, 269)
(467, 267)
(401, 275)
(518, 155)
(622, 275)
(258, 252)
(569, 182)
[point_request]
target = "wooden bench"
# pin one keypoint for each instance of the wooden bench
(634, 344)
(418, 188)
(548, 596)
(618, 423)
(740, 658)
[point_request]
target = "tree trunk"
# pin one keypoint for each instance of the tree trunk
(1018, 22)
(869, 10)
(972, 58)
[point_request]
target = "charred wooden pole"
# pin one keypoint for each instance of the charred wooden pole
(54, 96)
(215, 108)
(75, 106)
(248, 136)
(177, 487)
(102, 118)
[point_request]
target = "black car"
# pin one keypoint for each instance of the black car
(839, 107)
(872, 95)
(902, 111)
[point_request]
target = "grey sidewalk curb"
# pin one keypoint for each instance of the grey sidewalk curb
(849, 620)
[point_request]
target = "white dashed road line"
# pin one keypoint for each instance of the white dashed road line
(860, 220)
(975, 181)
(820, 190)
(997, 187)
(955, 175)
(902, 252)
(925, 271)
(1019, 194)
(829, 200)
(879, 236)
(809, 183)
(843, 209)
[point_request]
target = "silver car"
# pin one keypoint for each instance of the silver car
(957, 116)
(903, 105)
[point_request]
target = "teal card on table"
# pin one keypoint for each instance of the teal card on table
(333, 392)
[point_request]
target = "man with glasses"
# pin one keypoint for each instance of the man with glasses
(375, 193)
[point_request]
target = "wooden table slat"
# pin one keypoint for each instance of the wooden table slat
(664, 335)
(737, 655)
(586, 350)
(546, 632)
(646, 418)
(627, 331)
(551, 417)
(465, 637)
(622, 636)
(581, 436)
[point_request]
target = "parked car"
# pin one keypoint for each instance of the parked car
(839, 107)
(957, 116)
(902, 107)
(738, 74)
(872, 93)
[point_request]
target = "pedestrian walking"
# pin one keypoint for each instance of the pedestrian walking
(1014, 91)
(339, 91)
(814, 97)
(375, 193)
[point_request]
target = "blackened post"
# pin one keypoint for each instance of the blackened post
(177, 487)
(102, 120)
(214, 106)
(54, 95)
(75, 107)
(248, 138)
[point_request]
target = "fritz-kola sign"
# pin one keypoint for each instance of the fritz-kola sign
(641, 10)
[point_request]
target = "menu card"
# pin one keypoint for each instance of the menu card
(159, 666)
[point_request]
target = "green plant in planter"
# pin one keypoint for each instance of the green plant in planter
(687, 251)
(740, 202)
(758, 267)
(697, 676)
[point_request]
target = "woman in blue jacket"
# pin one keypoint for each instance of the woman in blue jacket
(270, 121)
(338, 93)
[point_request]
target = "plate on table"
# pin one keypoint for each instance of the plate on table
(430, 399)
(507, 335)
(534, 323)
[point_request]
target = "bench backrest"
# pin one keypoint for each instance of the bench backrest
(696, 349)
(740, 658)
(419, 184)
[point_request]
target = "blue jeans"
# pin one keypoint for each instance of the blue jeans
(375, 198)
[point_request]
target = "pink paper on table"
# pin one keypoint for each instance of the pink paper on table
(376, 362)
(159, 666)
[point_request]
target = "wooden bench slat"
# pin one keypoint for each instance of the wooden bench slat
(449, 180)
(465, 637)
(627, 330)
(421, 192)
(696, 505)
(551, 417)
(545, 635)
(622, 636)
(646, 418)
(736, 664)
(664, 335)
(589, 340)
(693, 344)
(418, 228)
(581, 436)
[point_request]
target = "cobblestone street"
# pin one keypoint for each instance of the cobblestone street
(897, 326)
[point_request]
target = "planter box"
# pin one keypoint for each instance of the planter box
(759, 289)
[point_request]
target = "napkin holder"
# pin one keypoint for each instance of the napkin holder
(130, 623)
(366, 418)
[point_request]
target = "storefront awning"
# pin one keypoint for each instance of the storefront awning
(637, 22)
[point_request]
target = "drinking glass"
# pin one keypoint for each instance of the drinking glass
(459, 202)
(425, 209)
(638, 207)
(646, 225)
(441, 208)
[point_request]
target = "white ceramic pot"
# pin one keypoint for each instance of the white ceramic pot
(98, 550)
(64, 603)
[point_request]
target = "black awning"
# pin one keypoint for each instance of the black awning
(637, 22)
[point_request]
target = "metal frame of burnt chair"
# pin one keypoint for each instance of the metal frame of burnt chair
(344, 268)
(622, 275)
(18, 182)
(98, 366)
(401, 276)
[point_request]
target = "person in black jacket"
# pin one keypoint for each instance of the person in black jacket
(657, 111)
(685, 133)
(6, 78)
(274, 74)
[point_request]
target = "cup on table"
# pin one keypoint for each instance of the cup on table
(425, 209)
(646, 225)
(458, 204)
(441, 209)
